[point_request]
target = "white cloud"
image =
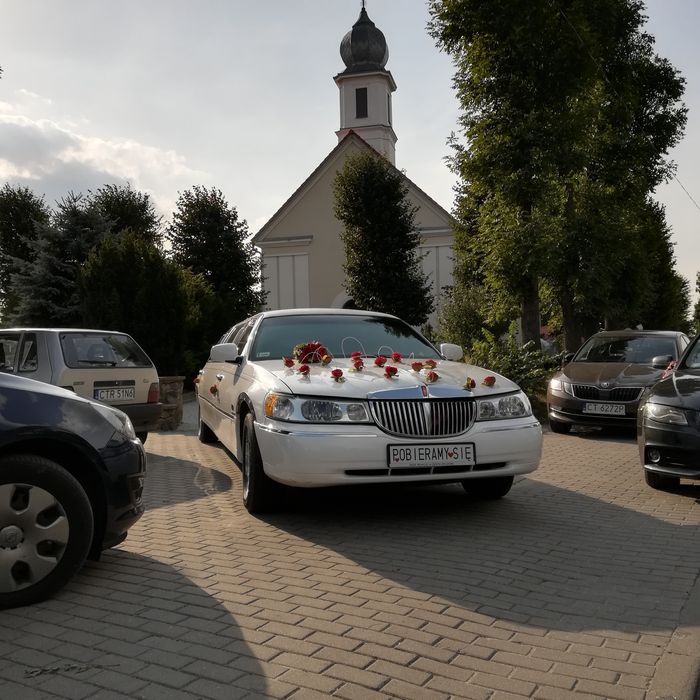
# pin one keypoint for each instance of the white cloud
(53, 159)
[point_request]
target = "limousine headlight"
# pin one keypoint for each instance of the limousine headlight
(308, 410)
(497, 408)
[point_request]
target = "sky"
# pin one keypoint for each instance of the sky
(239, 95)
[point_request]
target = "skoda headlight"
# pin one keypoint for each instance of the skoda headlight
(559, 385)
(314, 410)
(503, 407)
(117, 419)
(665, 414)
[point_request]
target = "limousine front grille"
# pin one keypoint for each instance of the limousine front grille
(424, 418)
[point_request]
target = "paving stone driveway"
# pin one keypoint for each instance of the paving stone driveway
(579, 584)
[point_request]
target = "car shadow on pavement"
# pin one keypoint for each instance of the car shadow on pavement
(543, 557)
(132, 625)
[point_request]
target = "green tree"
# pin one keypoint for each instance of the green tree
(566, 118)
(47, 287)
(125, 208)
(128, 284)
(208, 238)
(382, 265)
(20, 213)
(695, 321)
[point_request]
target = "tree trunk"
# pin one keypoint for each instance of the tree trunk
(530, 317)
(572, 327)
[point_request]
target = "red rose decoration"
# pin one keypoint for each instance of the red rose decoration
(489, 381)
(416, 366)
(337, 375)
(380, 361)
(430, 364)
(304, 369)
(213, 389)
(311, 352)
(288, 361)
(390, 372)
(469, 384)
(357, 364)
(396, 357)
(355, 354)
(431, 376)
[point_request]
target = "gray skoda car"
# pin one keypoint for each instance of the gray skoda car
(602, 383)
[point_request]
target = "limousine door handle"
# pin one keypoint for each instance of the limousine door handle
(220, 377)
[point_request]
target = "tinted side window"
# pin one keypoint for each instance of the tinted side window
(28, 357)
(8, 352)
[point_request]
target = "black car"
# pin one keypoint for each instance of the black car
(71, 484)
(668, 425)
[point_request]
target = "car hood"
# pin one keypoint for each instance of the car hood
(615, 373)
(452, 377)
(682, 389)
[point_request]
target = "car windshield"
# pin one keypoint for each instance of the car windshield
(634, 349)
(102, 350)
(341, 335)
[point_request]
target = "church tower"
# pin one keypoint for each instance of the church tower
(366, 86)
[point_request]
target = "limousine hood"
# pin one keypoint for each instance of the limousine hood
(452, 379)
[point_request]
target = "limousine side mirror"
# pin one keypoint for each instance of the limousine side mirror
(225, 352)
(567, 358)
(661, 361)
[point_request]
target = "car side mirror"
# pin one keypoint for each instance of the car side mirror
(567, 358)
(225, 352)
(661, 361)
(450, 351)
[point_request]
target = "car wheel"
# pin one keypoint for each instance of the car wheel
(204, 433)
(490, 489)
(661, 482)
(557, 426)
(46, 528)
(142, 436)
(259, 491)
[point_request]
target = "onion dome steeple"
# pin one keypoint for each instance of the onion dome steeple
(364, 47)
(366, 86)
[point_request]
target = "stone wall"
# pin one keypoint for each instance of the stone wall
(171, 398)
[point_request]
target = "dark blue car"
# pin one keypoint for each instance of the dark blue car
(71, 484)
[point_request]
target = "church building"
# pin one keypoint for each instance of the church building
(302, 252)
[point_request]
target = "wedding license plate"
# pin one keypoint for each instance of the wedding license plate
(606, 409)
(121, 393)
(458, 454)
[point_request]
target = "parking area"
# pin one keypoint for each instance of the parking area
(581, 583)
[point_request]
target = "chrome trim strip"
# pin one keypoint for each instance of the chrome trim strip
(300, 433)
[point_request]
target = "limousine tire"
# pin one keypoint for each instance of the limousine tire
(47, 528)
(259, 491)
(142, 437)
(489, 489)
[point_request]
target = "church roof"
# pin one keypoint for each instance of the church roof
(351, 136)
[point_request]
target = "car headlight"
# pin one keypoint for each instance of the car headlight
(118, 419)
(309, 410)
(559, 385)
(665, 414)
(503, 407)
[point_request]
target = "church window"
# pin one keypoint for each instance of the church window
(361, 103)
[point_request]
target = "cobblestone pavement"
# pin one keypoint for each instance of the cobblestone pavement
(579, 584)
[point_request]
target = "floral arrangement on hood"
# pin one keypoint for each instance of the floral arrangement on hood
(311, 352)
